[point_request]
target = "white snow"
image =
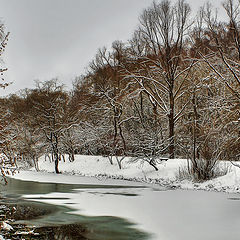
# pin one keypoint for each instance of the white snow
(6, 226)
(26, 233)
(140, 171)
(99, 166)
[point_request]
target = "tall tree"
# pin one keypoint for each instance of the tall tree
(158, 50)
(3, 43)
(218, 44)
(4, 124)
(48, 115)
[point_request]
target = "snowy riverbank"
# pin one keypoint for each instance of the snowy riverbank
(140, 171)
(149, 208)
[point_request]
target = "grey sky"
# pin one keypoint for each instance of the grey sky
(58, 38)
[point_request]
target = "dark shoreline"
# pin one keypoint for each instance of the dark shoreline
(53, 221)
(16, 214)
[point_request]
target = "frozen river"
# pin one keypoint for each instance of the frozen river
(121, 211)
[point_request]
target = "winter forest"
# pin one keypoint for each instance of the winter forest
(171, 91)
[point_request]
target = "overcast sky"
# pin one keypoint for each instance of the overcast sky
(58, 38)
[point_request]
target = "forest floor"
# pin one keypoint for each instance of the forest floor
(171, 173)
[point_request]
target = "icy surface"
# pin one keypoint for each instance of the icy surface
(164, 214)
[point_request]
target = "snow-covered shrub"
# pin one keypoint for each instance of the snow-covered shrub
(202, 171)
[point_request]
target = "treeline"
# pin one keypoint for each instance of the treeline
(172, 90)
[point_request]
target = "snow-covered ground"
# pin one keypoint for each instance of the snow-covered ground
(135, 171)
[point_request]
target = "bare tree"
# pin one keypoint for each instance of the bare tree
(109, 87)
(206, 127)
(224, 45)
(3, 43)
(5, 163)
(48, 115)
(158, 50)
(218, 45)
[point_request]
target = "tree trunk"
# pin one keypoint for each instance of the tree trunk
(56, 165)
(72, 155)
(152, 163)
(171, 127)
(56, 153)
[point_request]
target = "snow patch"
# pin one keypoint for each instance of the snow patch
(6, 226)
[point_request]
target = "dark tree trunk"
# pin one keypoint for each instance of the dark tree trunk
(56, 153)
(56, 165)
(153, 164)
(72, 154)
(171, 120)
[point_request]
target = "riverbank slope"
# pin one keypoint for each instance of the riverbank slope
(170, 173)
